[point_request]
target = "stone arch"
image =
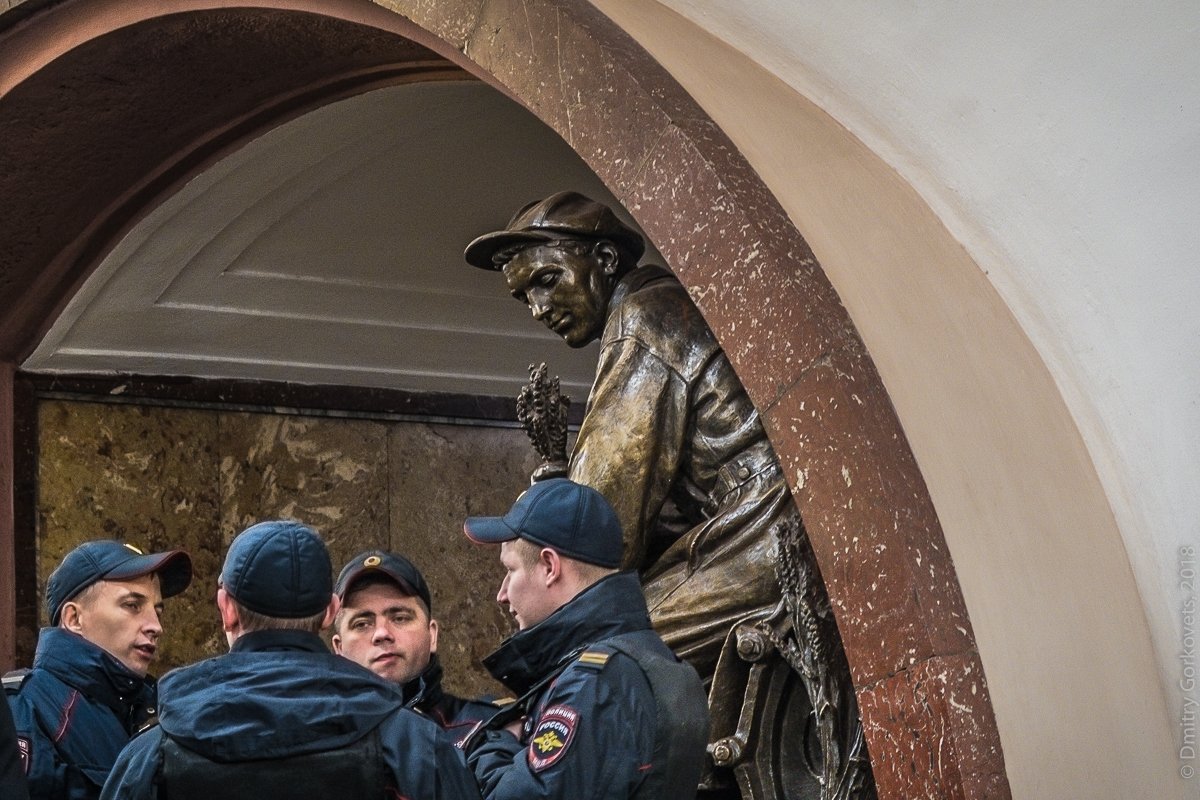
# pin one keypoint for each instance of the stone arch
(873, 526)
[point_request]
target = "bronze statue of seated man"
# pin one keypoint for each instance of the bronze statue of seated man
(669, 435)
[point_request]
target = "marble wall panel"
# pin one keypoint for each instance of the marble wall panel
(143, 475)
(167, 477)
(441, 474)
(325, 472)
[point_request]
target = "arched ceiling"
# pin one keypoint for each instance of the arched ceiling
(329, 251)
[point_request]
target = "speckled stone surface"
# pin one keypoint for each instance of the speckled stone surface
(166, 478)
(441, 474)
(871, 524)
(930, 718)
(770, 331)
(146, 476)
(452, 21)
(327, 473)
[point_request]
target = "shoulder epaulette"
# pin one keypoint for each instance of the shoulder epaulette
(502, 702)
(594, 658)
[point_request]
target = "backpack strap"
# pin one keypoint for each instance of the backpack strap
(13, 681)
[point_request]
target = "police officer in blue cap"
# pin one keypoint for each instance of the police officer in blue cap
(386, 624)
(606, 709)
(88, 691)
(279, 716)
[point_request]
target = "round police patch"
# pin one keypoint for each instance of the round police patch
(552, 736)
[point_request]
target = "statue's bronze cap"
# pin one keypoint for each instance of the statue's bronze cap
(565, 215)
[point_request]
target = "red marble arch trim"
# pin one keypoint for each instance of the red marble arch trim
(865, 504)
(8, 584)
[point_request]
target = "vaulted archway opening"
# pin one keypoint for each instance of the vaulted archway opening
(117, 138)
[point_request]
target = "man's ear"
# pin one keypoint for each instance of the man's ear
(229, 614)
(551, 563)
(433, 632)
(68, 618)
(608, 257)
(335, 605)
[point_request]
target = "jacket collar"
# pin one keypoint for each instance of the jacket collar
(89, 668)
(635, 279)
(425, 690)
(276, 640)
(614, 604)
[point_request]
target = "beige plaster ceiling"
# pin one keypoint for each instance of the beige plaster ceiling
(329, 251)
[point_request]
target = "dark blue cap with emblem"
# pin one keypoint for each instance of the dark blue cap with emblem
(558, 513)
(391, 565)
(279, 568)
(108, 560)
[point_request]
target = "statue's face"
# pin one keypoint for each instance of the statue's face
(566, 286)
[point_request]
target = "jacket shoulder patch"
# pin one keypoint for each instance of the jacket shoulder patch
(552, 736)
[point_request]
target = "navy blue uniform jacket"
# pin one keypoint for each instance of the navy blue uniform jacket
(591, 732)
(12, 760)
(278, 694)
(454, 714)
(75, 711)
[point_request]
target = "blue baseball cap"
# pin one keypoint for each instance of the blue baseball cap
(560, 514)
(108, 560)
(280, 569)
(394, 566)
